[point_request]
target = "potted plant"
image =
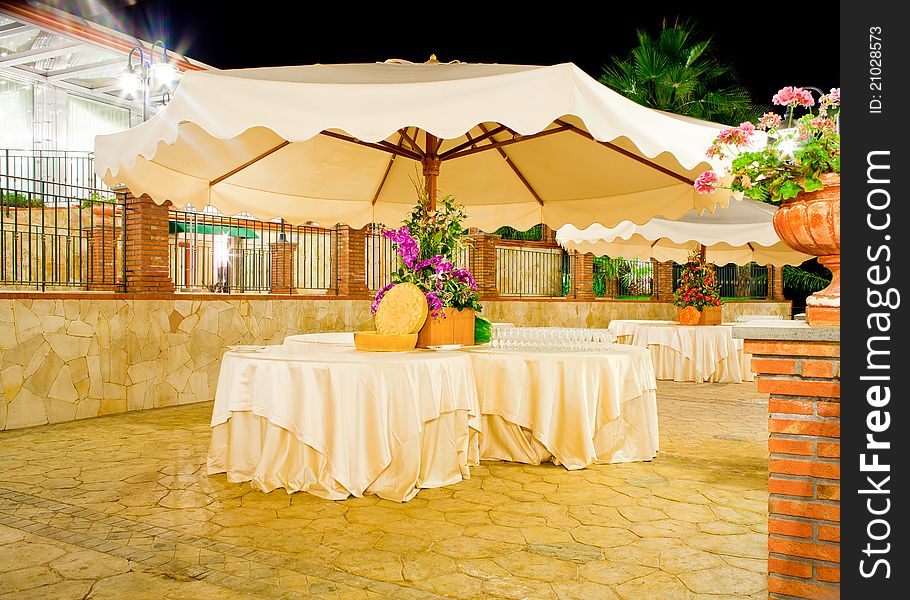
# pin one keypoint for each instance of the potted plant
(799, 170)
(698, 295)
(427, 244)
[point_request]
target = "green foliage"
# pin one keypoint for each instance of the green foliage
(632, 275)
(17, 200)
(803, 281)
(680, 73)
(483, 330)
(96, 198)
(534, 234)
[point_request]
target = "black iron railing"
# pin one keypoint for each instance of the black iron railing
(541, 271)
(220, 254)
(52, 171)
(736, 281)
(65, 236)
(621, 278)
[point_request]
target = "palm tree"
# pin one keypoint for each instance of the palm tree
(678, 73)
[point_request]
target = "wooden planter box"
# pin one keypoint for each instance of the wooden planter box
(456, 328)
(709, 315)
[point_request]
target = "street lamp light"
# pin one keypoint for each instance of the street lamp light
(141, 77)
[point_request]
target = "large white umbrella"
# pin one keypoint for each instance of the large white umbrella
(741, 233)
(516, 144)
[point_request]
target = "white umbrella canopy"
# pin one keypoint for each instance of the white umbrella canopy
(741, 233)
(517, 145)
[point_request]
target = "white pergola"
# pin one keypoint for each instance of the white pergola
(42, 44)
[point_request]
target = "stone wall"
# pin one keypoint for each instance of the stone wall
(67, 358)
(62, 360)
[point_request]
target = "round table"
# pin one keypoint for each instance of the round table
(701, 353)
(573, 408)
(344, 423)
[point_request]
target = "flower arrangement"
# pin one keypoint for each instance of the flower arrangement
(426, 245)
(698, 285)
(794, 157)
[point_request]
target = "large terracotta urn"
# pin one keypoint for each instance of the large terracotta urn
(810, 223)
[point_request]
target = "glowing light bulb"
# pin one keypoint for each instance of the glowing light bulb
(164, 73)
(129, 82)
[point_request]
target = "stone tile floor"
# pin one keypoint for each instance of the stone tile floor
(120, 507)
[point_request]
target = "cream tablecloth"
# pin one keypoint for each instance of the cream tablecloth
(344, 422)
(332, 338)
(684, 353)
(574, 408)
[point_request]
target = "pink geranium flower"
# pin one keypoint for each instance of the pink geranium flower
(706, 182)
(769, 120)
(793, 96)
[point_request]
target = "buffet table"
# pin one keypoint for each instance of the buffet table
(574, 408)
(344, 423)
(705, 353)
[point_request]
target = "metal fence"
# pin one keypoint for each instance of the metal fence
(736, 281)
(532, 271)
(382, 259)
(219, 254)
(52, 171)
(621, 278)
(65, 236)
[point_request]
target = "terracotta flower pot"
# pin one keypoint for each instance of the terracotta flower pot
(810, 223)
(708, 315)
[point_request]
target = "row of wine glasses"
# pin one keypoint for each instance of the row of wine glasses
(552, 339)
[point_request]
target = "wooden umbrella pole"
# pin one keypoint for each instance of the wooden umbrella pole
(703, 253)
(430, 164)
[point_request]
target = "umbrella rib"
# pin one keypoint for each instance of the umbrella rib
(495, 144)
(236, 170)
(472, 141)
(414, 145)
(626, 153)
(515, 169)
(385, 175)
(390, 148)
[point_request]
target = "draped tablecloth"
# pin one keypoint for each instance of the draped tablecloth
(701, 353)
(574, 408)
(344, 422)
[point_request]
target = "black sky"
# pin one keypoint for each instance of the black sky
(796, 44)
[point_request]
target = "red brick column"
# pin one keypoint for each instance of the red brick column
(483, 264)
(282, 267)
(775, 283)
(351, 262)
(146, 246)
(663, 291)
(547, 234)
(582, 276)
(103, 238)
(802, 377)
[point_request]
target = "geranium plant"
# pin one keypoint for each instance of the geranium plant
(797, 152)
(698, 285)
(427, 245)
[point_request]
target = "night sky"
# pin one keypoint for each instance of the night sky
(769, 48)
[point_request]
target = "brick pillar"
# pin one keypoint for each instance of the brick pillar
(483, 264)
(352, 262)
(547, 234)
(146, 246)
(775, 283)
(582, 274)
(104, 268)
(664, 285)
(802, 377)
(282, 267)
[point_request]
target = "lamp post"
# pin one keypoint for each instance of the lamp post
(143, 76)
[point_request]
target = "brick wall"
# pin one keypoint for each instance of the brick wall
(483, 264)
(104, 270)
(281, 264)
(775, 283)
(351, 257)
(147, 237)
(802, 378)
(663, 291)
(582, 276)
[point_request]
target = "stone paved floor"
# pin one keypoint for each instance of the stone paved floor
(120, 507)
